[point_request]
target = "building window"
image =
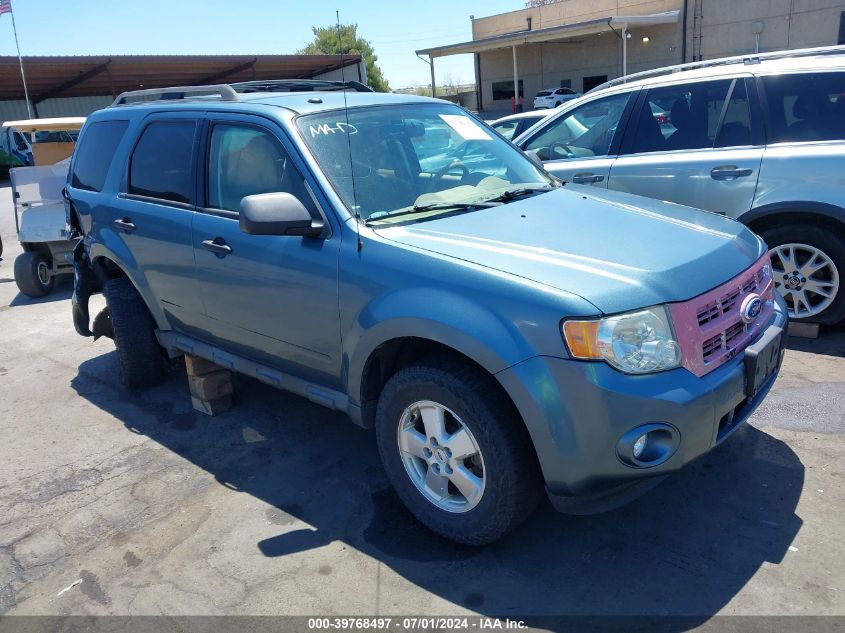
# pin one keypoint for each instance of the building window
(504, 90)
(842, 28)
(592, 82)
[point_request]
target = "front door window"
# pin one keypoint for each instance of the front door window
(586, 131)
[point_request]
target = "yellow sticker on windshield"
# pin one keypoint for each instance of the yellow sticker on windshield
(468, 129)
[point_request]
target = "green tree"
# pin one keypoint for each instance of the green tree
(326, 42)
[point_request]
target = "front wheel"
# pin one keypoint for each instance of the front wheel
(33, 275)
(808, 263)
(456, 452)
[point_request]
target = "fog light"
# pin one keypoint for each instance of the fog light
(639, 445)
(648, 445)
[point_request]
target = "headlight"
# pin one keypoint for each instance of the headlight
(636, 343)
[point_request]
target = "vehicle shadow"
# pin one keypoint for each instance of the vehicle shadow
(831, 342)
(62, 290)
(685, 549)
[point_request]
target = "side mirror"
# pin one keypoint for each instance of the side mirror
(277, 214)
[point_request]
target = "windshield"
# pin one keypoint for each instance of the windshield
(421, 159)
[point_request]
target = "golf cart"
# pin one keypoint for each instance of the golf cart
(39, 207)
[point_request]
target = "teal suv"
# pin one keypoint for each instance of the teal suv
(394, 258)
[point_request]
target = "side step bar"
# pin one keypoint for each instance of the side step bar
(317, 394)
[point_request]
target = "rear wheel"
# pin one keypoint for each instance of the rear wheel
(141, 360)
(33, 275)
(808, 263)
(456, 453)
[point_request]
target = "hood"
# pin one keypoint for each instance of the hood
(616, 250)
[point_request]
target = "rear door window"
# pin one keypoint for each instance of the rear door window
(95, 153)
(805, 107)
(687, 117)
(735, 130)
(161, 165)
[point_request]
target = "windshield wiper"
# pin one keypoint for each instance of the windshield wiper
(432, 206)
(513, 194)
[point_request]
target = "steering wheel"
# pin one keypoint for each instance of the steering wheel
(569, 151)
(438, 176)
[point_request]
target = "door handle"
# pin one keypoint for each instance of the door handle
(729, 171)
(586, 178)
(125, 224)
(217, 246)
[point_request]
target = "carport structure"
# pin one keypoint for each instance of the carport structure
(100, 75)
(554, 34)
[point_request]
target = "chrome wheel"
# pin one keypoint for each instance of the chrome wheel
(43, 273)
(806, 277)
(441, 456)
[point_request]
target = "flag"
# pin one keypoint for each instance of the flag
(5, 6)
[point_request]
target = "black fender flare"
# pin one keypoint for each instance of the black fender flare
(87, 280)
(795, 207)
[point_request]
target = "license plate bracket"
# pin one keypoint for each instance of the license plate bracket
(762, 359)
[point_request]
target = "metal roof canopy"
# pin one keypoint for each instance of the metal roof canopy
(551, 34)
(43, 125)
(85, 76)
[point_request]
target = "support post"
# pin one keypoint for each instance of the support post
(515, 82)
(625, 51)
(433, 85)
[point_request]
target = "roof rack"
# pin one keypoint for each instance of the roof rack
(224, 91)
(748, 59)
(298, 85)
(229, 92)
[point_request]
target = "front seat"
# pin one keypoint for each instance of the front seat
(257, 168)
(688, 133)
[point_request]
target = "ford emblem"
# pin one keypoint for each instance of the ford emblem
(752, 305)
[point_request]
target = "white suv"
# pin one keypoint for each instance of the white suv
(554, 97)
(759, 138)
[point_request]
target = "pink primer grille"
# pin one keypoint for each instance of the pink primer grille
(710, 328)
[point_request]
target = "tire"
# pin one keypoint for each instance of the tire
(32, 274)
(803, 240)
(511, 484)
(141, 360)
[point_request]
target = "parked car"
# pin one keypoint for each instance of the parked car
(513, 125)
(758, 138)
(39, 208)
(499, 331)
(554, 97)
(15, 149)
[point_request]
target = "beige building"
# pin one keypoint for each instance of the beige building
(582, 43)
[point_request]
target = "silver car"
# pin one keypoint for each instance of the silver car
(758, 138)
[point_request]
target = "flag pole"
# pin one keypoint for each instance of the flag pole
(20, 61)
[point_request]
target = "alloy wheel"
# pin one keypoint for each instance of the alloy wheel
(441, 456)
(806, 277)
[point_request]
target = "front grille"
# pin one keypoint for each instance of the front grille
(710, 328)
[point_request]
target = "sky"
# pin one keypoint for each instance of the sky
(162, 27)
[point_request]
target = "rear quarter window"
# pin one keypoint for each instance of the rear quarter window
(805, 107)
(95, 153)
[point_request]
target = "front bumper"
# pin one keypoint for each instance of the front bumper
(576, 412)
